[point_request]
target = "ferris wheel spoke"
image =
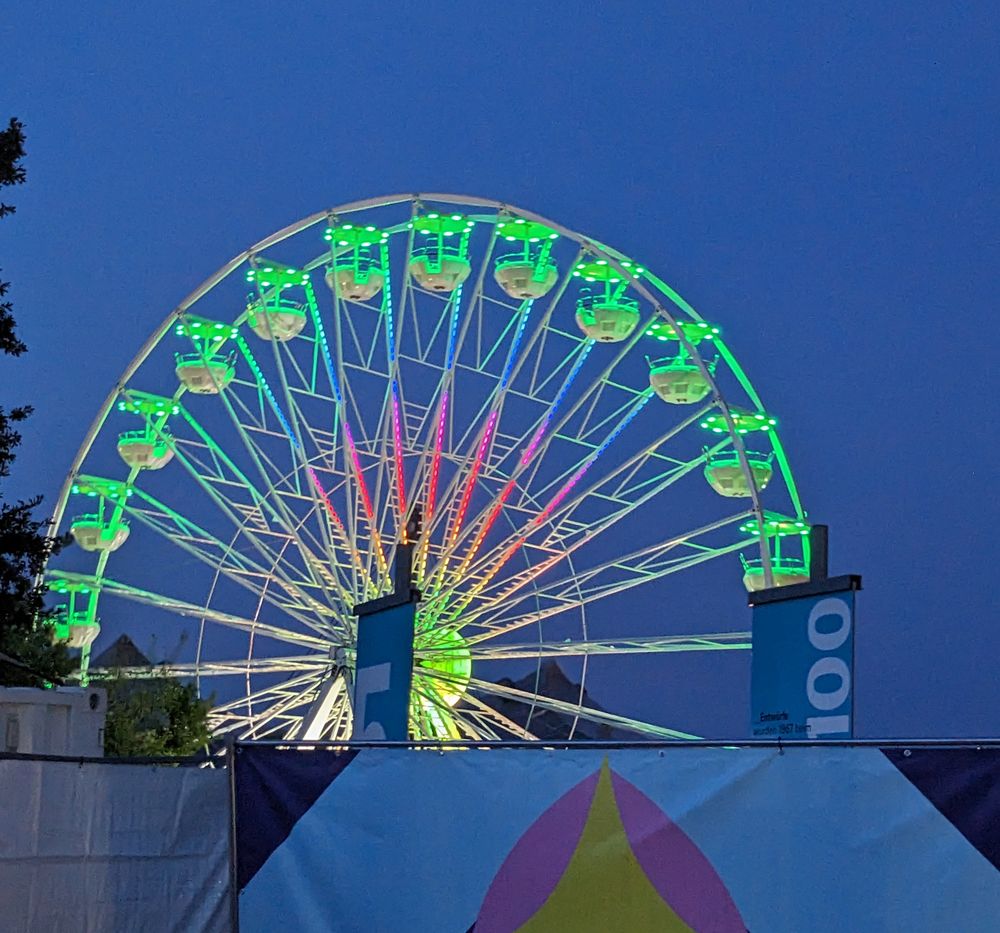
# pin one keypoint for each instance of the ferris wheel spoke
(589, 398)
(486, 712)
(247, 520)
(280, 710)
(259, 458)
(346, 525)
(204, 546)
(607, 579)
(227, 486)
(610, 429)
(487, 517)
(598, 717)
(327, 705)
(346, 402)
(294, 425)
(279, 725)
(535, 349)
(723, 641)
(589, 595)
(355, 417)
(192, 610)
(557, 548)
(276, 481)
(390, 482)
(280, 664)
(427, 473)
(326, 517)
(481, 444)
(354, 568)
(476, 302)
(566, 533)
(617, 414)
(512, 332)
(264, 695)
(483, 728)
(636, 481)
(273, 665)
(460, 328)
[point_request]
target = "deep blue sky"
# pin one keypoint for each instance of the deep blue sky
(820, 179)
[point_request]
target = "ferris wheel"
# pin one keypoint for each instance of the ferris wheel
(571, 430)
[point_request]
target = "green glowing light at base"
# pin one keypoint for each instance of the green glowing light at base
(447, 653)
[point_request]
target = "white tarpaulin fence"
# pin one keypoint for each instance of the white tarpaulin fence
(113, 847)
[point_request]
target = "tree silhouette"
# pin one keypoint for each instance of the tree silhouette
(29, 655)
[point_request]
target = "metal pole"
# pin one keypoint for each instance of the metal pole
(234, 891)
(819, 557)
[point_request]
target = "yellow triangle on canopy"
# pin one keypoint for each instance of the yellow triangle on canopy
(604, 888)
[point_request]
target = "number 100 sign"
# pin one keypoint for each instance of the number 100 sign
(802, 672)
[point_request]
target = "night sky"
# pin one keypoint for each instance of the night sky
(820, 179)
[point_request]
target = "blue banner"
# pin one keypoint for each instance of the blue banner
(383, 674)
(711, 840)
(802, 668)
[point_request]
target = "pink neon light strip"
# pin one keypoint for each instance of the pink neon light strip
(365, 498)
(436, 460)
(530, 449)
(398, 440)
(535, 522)
(334, 517)
(326, 499)
(432, 482)
(559, 496)
(499, 504)
(470, 483)
(490, 520)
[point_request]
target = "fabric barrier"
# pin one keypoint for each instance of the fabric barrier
(114, 847)
(715, 840)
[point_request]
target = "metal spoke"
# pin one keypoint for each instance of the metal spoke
(499, 626)
(662, 644)
(598, 717)
(226, 709)
(272, 665)
(204, 546)
(242, 521)
(191, 610)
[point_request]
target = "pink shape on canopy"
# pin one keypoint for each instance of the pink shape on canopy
(674, 865)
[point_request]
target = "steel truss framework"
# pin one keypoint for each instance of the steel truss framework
(548, 471)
